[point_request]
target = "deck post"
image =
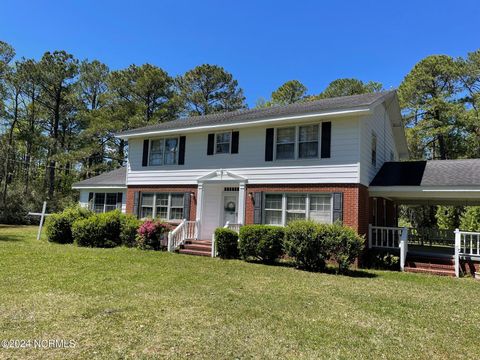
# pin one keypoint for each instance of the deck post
(369, 236)
(169, 246)
(457, 252)
(214, 250)
(403, 248)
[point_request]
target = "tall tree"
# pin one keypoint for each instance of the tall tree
(208, 89)
(290, 92)
(141, 95)
(349, 86)
(426, 96)
(57, 71)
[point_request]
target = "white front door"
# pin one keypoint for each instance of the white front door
(230, 209)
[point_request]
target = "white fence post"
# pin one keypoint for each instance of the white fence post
(403, 248)
(370, 236)
(457, 252)
(169, 245)
(214, 250)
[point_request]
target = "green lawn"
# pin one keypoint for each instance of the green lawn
(127, 303)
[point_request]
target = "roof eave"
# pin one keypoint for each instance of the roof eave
(80, 187)
(358, 111)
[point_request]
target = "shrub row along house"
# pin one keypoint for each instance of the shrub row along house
(339, 159)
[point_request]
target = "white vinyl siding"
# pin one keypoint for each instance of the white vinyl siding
(281, 208)
(341, 167)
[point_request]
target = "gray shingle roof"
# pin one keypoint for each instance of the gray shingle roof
(112, 178)
(338, 103)
(462, 172)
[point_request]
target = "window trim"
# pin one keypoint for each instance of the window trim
(229, 143)
(164, 138)
(307, 204)
(296, 149)
(169, 205)
(91, 203)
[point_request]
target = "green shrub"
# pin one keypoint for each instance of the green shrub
(129, 230)
(151, 233)
(305, 243)
(262, 242)
(344, 245)
(98, 230)
(59, 225)
(226, 243)
(470, 220)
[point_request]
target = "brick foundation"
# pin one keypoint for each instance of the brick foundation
(355, 200)
(163, 188)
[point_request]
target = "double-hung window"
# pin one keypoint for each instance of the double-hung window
(286, 143)
(166, 206)
(281, 208)
(223, 143)
(297, 142)
(163, 152)
(308, 141)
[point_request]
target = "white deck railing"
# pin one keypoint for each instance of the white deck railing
(466, 244)
(186, 230)
(233, 226)
(385, 237)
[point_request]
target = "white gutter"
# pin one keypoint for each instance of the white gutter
(80, 187)
(355, 111)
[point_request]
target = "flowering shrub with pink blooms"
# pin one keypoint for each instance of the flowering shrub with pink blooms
(151, 233)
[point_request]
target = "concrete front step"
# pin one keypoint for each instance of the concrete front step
(430, 271)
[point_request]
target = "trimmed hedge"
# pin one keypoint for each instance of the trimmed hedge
(129, 230)
(313, 244)
(59, 225)
(305, 243)
(261, 242)
(226, 243)
(98, 230)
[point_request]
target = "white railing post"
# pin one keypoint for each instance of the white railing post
(403, 248)
(169, 246)
(370, 236)
(226, 225)
(457, 252)
(214, 250)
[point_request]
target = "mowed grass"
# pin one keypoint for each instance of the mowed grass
(127, 303)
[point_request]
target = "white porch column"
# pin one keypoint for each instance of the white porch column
(241, 203)
(198, 216)
(458, 237)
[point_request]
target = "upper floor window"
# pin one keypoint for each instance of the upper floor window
(374, 149)
(223, 142)
(297, 142)
(163, 152)
(167, 206)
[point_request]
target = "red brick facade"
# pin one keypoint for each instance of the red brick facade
(357, 205)
(163, 188)
(355, 200)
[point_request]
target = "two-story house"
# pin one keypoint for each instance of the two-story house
(311, 160)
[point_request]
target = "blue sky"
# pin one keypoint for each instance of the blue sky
(263, 43)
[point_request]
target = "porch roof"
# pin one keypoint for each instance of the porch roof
(429, 182)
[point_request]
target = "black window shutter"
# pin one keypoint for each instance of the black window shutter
(326, 139)
(337, 207)
(235, 136)
(119, 200)
(211, 144)
(269, 144)
(146, 144)
(186, 206)
(181, 151)
(136, 203)
(257, 207)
